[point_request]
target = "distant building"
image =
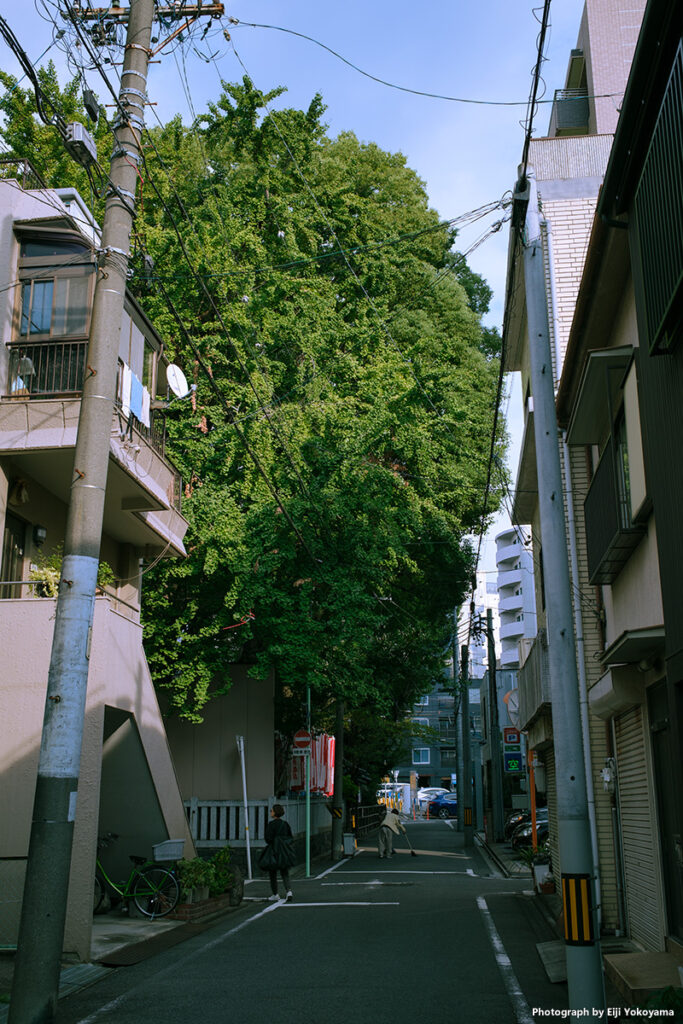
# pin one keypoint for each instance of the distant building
(515, 592)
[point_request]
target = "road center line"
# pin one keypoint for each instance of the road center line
(512, 986)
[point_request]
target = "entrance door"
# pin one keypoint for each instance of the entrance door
(12, 556)
(667, 801)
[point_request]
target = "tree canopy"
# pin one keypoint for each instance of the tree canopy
(335, 451)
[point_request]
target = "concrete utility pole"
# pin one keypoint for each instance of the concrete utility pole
(496, 760)
(466, 810)
(584, 960)
(43, 913)
(338, 797)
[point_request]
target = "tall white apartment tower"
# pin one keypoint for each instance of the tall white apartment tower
(516, 601)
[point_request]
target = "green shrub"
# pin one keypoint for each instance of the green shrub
(223, 873)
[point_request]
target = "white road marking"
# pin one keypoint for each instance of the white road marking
(334, 867)
(397, 871)
(345, 903)
(512, 986)
(175, 967)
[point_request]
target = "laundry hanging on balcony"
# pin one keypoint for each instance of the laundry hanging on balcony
(135, 398)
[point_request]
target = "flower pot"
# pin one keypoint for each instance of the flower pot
(541, 873)
(199, 893)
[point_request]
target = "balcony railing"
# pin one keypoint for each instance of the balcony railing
(46, 369)
(570, 110)
(611, 535)
(52, 369)
(534, 681)
(22, 170)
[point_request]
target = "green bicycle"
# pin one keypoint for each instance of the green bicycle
(153, 889)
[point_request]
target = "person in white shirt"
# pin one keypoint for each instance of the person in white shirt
(390, 827)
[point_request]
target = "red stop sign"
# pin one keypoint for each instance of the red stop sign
(302, 740)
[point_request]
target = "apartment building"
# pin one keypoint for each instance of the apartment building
(569, 166)
(48, 244)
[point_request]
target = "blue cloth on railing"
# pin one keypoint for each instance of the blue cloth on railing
(136, 397)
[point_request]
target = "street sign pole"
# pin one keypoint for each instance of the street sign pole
(308, 786)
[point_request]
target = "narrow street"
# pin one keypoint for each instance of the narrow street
(431, 938)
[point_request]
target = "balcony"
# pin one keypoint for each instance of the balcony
(511, 629)
(611, 535)
(38, 428)
(534, 682)
(570, 112)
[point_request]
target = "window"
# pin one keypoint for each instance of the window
(55, 307)
(421, 721)
(420, 755)
(422, 702)
(445, 726)
(448, 755)
(52, 317)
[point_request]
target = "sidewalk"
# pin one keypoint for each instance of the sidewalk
(121, 939)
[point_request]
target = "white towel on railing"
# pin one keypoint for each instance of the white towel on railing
(144, 415)
(126, 380)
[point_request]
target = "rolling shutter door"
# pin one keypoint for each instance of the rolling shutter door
(638, 832)
(551, 794)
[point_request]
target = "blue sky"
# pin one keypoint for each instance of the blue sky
(466, 154)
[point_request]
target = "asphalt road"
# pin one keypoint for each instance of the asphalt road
(435, 939)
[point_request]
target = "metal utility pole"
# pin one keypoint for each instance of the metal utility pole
(338, 797)
(43, 914)
(457, 713)
(496, 760)
(584, 960)
(466, 812)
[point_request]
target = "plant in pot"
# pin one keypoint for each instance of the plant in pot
(45, 573)
(539, 864)
(227, 876)
(196, 877)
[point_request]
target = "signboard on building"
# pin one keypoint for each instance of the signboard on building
(513, 760)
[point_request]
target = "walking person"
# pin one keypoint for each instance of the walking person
(390, 827)
(279, 851)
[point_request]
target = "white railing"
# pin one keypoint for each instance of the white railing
(214, 823)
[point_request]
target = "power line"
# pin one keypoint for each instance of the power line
(392, 85)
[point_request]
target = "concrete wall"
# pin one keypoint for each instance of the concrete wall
(119, 678)
(206, 756)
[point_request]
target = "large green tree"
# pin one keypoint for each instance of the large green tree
(335, 450)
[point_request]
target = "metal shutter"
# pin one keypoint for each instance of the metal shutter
(638, 832)
(551, 794)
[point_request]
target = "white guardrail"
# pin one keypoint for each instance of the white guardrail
(214, 823)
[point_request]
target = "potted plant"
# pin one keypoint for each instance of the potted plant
(196, 877)
(227, 876)
(539, 864)
(46, 572)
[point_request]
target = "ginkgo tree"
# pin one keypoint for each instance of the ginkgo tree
(335, 453)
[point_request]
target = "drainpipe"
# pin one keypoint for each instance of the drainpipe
(576, 597)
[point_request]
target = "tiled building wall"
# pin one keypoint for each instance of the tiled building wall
(570, 222)
(608, 37)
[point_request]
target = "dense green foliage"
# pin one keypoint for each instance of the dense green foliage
(362, 383)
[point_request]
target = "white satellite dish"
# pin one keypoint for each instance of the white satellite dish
(176, 380)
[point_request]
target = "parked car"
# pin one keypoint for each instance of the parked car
(428, 793)
(521, 837)
(444, 806)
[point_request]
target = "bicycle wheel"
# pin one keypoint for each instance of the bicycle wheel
(155, 892)
(97, 894)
